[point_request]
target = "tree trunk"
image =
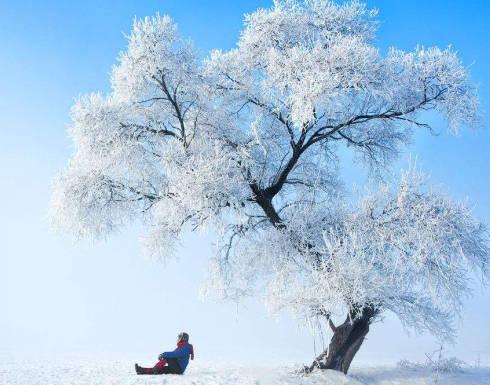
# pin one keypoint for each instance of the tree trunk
(345, 343)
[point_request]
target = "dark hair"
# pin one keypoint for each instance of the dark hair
(183, 337)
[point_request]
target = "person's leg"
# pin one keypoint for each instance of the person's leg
(172, 367)
(159, 365)
(140, 370)
(157, 369)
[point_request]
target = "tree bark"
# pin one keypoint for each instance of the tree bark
(345, 343)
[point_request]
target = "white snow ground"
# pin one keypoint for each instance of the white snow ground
(122, 373)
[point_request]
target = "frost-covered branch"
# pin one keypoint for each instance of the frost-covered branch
(411, 251)
(246, 143)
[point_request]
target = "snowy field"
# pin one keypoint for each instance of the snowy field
(122, 373)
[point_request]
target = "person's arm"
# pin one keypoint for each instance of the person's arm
(192, 352)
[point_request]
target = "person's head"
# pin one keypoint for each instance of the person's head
(183, 337)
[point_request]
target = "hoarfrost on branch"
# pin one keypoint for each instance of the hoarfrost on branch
(246, 143)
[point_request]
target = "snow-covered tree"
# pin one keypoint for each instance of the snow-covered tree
(246, 143)
(408, 250)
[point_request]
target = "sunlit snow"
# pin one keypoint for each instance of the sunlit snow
(122, 373)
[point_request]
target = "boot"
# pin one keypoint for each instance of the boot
(140, 370)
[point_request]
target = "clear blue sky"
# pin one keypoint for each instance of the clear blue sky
(59, 298)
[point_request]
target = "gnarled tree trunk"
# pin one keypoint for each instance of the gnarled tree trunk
(345, 343)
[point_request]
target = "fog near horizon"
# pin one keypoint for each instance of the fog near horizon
(60, 298)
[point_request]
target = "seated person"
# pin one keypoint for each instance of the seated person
(172, 362)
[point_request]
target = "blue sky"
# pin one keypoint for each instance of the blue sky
(61, 298)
